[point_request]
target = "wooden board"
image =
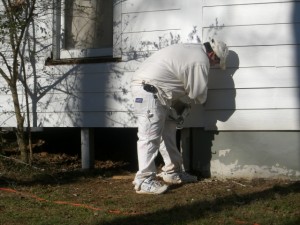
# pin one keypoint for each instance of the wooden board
(256, 35)
(266, 56)
(142, 22)
(281, 119)
(239, 2)
(149, 41)
(265, 98)
(255, 77)
(133, 6)
(251, 14)
(284, 119)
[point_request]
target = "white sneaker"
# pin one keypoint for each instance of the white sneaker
(177, 177)
(151, 186)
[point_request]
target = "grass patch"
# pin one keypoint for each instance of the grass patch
(60, 193)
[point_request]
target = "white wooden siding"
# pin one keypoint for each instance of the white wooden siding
(259, 88)
(273, 98)
(279, 119)
(251, 14)
(77, 119)
(239, 2)
(265, 88)
(239, 120)
(254, 77)
(135, 22)
(258, 35)
(148, 41)
(133, 6)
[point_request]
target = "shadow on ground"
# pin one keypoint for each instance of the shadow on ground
(191, 213)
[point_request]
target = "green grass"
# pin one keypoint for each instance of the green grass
(97, 198)
(276, 206)
(16, 210)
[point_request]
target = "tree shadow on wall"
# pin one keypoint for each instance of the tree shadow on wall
(134, 52)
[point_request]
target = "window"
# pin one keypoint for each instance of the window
(85, 28)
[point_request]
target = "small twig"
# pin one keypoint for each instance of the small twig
(19, 161)
(243, 185)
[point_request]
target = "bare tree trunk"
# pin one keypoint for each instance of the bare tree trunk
(22, 145)
(20, 125)
(19, 14)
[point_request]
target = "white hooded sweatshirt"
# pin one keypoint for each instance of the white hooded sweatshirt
(176, 71)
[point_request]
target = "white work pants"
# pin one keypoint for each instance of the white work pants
(155, 133)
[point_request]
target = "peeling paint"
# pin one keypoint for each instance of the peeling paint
(219, 169)
(224, 152)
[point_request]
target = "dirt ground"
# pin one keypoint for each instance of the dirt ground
(62, 169)
(58, 178)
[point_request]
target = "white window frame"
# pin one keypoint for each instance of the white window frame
(58, 31)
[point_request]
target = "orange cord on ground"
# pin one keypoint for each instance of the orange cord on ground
(65, 203)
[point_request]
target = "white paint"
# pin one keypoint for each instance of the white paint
(148, 41)
(134, 6)
(266, 84)
(272, 98)
(262, 77)
(224, 152)
(141, 22)
(236, 170)
(252, 14)
(237, 2)
(256, 34)
(264, 119)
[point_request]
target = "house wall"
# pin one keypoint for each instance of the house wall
(260, 86)
(258, 92)
(247, 154)
(252, 120)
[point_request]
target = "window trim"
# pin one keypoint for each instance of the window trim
(58, 28)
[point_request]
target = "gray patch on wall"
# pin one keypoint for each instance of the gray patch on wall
(255, 154)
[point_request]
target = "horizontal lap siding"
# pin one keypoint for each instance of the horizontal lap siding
(78, 119)
(98, 95)
(134, 6)
(258, 35)
(239, 2)
(241, 120)
(148, 27)
(148, 41)
(260, 90)
(65, 91)
(143, 22)
(239, 99)
(279, 119)
(84, 88)
(273, 98)
(254, 77)
(255, 92)
(251, 14)
(266, 56)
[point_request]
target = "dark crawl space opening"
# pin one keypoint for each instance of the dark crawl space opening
(115, 144)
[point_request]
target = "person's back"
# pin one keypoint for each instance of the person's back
(157, 87)
(175, 71)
